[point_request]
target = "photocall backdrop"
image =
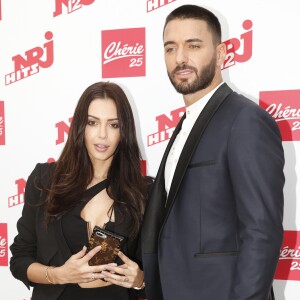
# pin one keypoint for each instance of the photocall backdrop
(52, 50)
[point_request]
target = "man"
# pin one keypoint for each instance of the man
(213, 226)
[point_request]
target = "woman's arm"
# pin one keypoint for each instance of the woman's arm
(24, 246)
(23, 263)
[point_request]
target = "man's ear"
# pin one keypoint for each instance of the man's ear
(221, 54)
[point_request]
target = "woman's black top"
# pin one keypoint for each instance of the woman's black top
(53, 244)
(75, 230)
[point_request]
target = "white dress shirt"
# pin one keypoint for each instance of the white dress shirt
(192, 113)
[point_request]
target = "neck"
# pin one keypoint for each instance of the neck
(100, 173)
(101, 168)
(99, 178)
(96, 179)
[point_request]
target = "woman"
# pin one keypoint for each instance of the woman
(97, 180)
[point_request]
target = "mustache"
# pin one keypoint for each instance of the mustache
(183, 67)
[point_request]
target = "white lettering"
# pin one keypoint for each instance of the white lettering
(281, 114)
(288, 253)
(15, 200)
(115, 51)
(2, 242)
(161, 136)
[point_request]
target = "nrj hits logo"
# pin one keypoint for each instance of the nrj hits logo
(123, 53)
(19, 197)
(154, 4)
(166, 126)
(62, 131)
(34, 59)
(70, 5)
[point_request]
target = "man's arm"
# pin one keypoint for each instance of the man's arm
(256, 162)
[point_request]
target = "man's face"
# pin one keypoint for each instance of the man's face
(190, 55)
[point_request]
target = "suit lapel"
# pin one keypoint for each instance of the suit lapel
(155, 212)
(194, 137)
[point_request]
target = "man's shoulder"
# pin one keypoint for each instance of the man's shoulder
(240, 101)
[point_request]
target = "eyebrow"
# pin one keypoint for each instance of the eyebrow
(194, 40)
(186, 41)
(114, 119)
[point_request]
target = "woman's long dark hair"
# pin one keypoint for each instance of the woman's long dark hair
(74, 171)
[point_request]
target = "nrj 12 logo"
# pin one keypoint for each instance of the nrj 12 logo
(284, 107)
(69, 5)
(239, 49)
(123, 53)
(32, 61)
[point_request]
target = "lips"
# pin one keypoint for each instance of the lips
(184, 73)
(101, 147)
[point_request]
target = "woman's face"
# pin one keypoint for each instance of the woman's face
(102, 132)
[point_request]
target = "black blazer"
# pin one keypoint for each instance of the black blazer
(35, 243)
(219, 232)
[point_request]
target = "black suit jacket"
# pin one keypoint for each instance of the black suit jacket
(36, 243)
(219, 232)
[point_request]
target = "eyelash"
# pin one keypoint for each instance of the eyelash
(91, 122)
(194, 46)
(94, 123)
(115, 125)
(191, 46)
(168, 50)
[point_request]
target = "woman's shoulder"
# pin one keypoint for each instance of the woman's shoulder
(43, 169)
(42, 173)
(38, 182)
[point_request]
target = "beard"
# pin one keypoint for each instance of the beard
(202, 80)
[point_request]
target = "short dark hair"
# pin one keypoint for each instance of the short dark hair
(189, 11)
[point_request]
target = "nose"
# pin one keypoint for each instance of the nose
(181, 56)
(102, 131)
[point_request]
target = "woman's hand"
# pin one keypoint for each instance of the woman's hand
(77, 270)
(127, 275)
